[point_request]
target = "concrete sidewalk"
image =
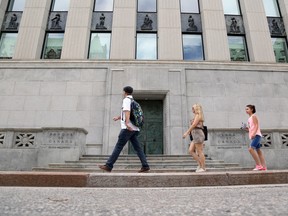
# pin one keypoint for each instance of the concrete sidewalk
(140, 180)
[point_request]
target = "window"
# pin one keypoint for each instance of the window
(189, 6)
(7, 45)
(60, 5)
(147, 6)
(146, 46)
(237, 46)
(103, 5)
(192, 47)
(53, 45)
(16, 5)
(100, 46)
(231, 7)
(271, 8)
(280, 49)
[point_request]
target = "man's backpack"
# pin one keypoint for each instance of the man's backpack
(136, 114)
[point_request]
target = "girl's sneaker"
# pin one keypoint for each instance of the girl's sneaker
(258, 168)
(200, 170)
(198, 167)
(264, 168)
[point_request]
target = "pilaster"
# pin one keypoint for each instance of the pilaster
(77, 31)
(214, 31)
(257, 31)
(32, 29)
(123, 30)
(3, 7)
(169, 30)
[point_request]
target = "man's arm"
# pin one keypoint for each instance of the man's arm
(127, 119)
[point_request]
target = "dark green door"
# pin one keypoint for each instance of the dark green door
(151, 135)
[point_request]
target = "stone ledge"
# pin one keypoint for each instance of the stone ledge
(41, 179)
(140, 180)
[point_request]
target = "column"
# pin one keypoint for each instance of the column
(283, 6)
(169, 30)
(32, 29)
(77, 31)
(123, 40)
(214, 31)
(257, 31)
(3, 6)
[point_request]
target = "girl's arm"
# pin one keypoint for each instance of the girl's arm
(192, 126)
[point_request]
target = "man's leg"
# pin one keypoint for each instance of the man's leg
(138, 149)
(123, 138)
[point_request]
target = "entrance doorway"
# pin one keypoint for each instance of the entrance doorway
(151, 135)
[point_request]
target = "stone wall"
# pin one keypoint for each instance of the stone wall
(25, 148)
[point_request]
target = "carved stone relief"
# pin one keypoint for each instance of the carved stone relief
(102, 21)
(147, 22)
(234, 25)
(57, 21)
(191, 23)
(276, 26)
(12, 21)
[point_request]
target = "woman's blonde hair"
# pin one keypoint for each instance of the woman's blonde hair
(199, 111)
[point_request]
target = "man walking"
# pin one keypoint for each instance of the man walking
(128, 132)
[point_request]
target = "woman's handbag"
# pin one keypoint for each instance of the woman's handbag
(205, 131)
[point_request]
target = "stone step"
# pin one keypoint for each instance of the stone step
(149, 161)
(133, 157)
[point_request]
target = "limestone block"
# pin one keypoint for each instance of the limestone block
(213, 20)
(238, 90)
(4, 118)
(79, 17)
(198, 76)
(95, 135)
(48, 118)
(37, 4)
(175, 86)
(21, 119)
(76, 119)
(94, 75)
(169, 44)
(34, 17)
(256, 6)
(125, 4)
(80, 38)
(227, 76)
(64, 103)
(79, 88)
(81, 4)
(66, 75)
(193, 90)
(235, 119)
(273, 78)
(125, 49)
(89, 103)
(124, 18)
(177, 143)
(264, 90)
(99, 88)
(215, 5)
(9, 103)
(37, 103)
(228, 104)
(248, 77)
(27, 88)
(207, 104)
(6, 88)
(256, 22)
(281, 90)
(175, 108)
(217, 119)
(53, 88)
(211, 89)
(169, 18)
(97, 118)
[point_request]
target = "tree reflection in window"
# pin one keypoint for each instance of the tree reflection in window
(7, 45)
(100, 46)
(53, 47)
(237, 46)
(280, 49)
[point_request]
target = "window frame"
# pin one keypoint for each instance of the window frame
(245, 46)
(52, 7)
(90, 39)
(239, 6)
(286, 42)
(7, 32)
(202, 44)
(156, 43)
(183, 12)
(97, 11)
(8, 7)
(278, 8)
(156, 8)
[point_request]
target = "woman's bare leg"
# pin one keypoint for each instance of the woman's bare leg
(193, 153)
(199, 149)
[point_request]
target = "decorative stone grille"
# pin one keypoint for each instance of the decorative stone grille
(2, 137)
(24, 140)
(284, 139)
(266, 140)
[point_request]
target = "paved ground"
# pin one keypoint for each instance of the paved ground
(234, 200)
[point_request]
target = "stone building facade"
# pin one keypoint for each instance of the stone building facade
(67, 65)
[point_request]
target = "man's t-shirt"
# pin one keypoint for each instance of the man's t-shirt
(126, 106)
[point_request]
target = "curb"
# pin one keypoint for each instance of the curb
(140, 180)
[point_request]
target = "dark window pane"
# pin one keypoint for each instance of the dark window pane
(271, 8)
(147, 6)
(192, 47)
(16, 5)
(280, 49)
(100, 46)
(7, 45)
(189, 6)
(231, 7)
(61, 5)
(104, 5)
(53, 46)
(237, 46)
(146, 46)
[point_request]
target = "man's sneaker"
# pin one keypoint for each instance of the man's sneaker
(105, 168)
(144, 169)
(258, 168)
